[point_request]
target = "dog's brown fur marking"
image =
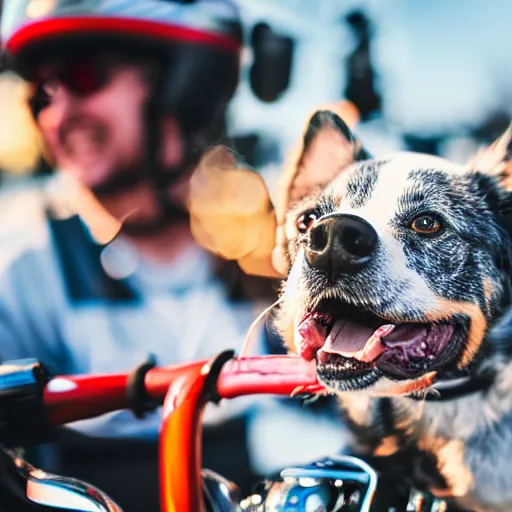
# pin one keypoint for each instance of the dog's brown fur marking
(413, 386)
(488, 293)
(388, 446)
(452, 466)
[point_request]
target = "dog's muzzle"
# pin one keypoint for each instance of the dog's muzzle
(340, 244)
(353, 345)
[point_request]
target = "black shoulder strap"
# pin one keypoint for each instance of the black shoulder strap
(79, 259)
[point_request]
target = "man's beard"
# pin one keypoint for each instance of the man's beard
(172, 214)
(169, 211)
(142, 171)
(119, 181)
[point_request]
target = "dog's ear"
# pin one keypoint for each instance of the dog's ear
(496, 159)
(230, 209)
(327, 147)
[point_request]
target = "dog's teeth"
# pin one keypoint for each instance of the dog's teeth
(384, 330)
(423, 346)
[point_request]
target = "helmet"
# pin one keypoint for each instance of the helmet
(196, 43)
(200, 39)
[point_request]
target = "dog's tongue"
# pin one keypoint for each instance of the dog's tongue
(310, 336)
(356, 341)
(346, 338)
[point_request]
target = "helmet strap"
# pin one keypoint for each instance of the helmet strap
(152, 171)
(159, 177)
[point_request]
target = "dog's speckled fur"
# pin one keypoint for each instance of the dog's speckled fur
(463, 447)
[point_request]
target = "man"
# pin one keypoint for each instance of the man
(126, 95)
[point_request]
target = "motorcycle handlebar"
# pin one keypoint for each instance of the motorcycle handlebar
(37, 401)
(70, 398)
(34, 401)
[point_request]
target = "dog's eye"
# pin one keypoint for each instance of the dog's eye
(426, 224)
(306, 219)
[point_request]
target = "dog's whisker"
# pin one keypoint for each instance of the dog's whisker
(252, 328)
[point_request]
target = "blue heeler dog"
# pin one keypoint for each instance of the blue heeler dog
(399, 286)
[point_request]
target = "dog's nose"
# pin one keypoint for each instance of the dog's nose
(340, 244)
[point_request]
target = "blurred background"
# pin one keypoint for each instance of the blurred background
(427, 76)
(432, 76)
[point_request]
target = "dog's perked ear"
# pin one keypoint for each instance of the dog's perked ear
(496, 159)
(327, 147)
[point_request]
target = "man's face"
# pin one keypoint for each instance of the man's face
(93, 123)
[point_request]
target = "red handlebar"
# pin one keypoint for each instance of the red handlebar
(184, 390)
(71, 398)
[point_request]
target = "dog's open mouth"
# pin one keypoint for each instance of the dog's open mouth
(358, 343)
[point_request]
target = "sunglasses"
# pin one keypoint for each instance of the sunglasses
(83, 76)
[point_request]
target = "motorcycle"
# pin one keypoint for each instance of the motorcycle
(34, 403)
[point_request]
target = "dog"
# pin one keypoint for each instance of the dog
(399, 286)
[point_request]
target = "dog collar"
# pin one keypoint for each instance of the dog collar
(451, 389)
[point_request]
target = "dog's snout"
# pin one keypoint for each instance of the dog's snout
(340, 244)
